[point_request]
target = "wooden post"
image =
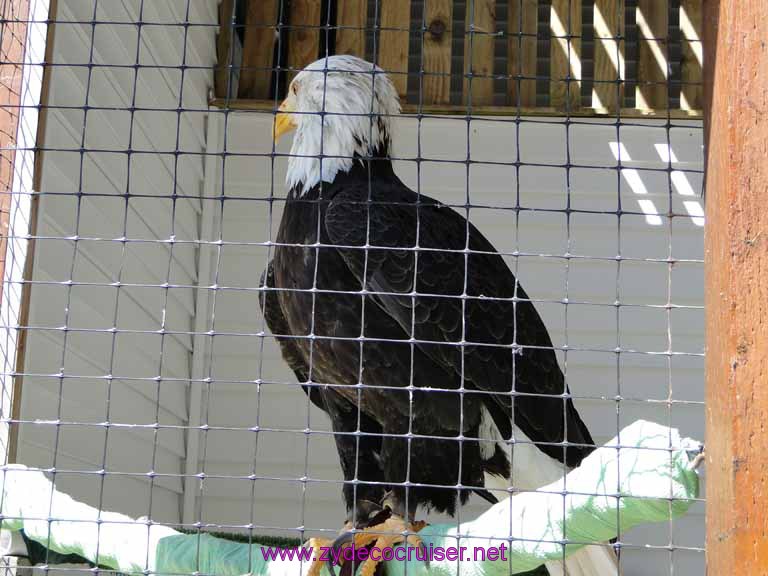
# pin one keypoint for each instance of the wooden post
(736, 81)
(223, 72)
(437, 52)
(304, 35)
(258, 49)
(565, 54)
(523, 24)
(29, 263)
(653, 63)
(13, 34)
(607, 94)
(479, 51)
(351, 18)
(394, 42)
(690, 27)
(13, 38)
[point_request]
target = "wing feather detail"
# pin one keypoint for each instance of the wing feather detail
(447, 287)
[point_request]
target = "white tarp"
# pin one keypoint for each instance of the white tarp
(643, 475)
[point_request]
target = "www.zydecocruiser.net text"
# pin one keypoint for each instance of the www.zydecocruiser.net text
(428, 553)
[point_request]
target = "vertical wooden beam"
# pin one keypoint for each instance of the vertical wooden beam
(691, 93)
(523, 26)
(394, 42)
(13, 46)
(737, 286)
(13, 35)
(479, 51)
(565, 54)
(351, 19)
(222, 75)
(304, 35)
(653, 62)
(437, 52)
(607, 93)
(258, 49)
(29, 262)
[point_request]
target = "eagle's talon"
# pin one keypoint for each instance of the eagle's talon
(357, 537)
(393, 530)
(342, 539)
(317, 564)
(384, 530)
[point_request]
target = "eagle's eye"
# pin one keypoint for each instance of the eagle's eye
(294, 88)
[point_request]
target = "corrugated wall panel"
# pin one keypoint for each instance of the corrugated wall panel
(592, 279)
(133, 400)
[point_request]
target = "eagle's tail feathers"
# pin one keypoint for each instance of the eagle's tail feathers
(486, 495)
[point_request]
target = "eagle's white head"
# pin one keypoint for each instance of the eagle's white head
(341, 108)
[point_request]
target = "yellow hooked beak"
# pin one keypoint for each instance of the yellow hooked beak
(284, 119)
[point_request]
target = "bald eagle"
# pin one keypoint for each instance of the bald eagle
(402, 321)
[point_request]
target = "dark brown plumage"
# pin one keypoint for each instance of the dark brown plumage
(438, 295)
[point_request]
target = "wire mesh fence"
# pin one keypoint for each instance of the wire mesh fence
(189, 339)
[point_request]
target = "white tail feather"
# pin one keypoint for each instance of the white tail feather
(532, 469)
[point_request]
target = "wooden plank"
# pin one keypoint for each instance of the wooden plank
(523, 26)
(608, 87)
(268, 107)
(258, 49)
(394, 42)
(222, 75)
(34, 211)
(304, 34)
(736, 253)
(565, 54)
(653, 63)
(691, 92)
(479, 51)
(13, 35)
(437, 52)
(351, 20)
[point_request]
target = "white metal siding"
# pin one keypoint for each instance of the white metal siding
(239, 361)
(86, 398)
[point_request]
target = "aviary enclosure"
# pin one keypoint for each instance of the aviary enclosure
(146, 193)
